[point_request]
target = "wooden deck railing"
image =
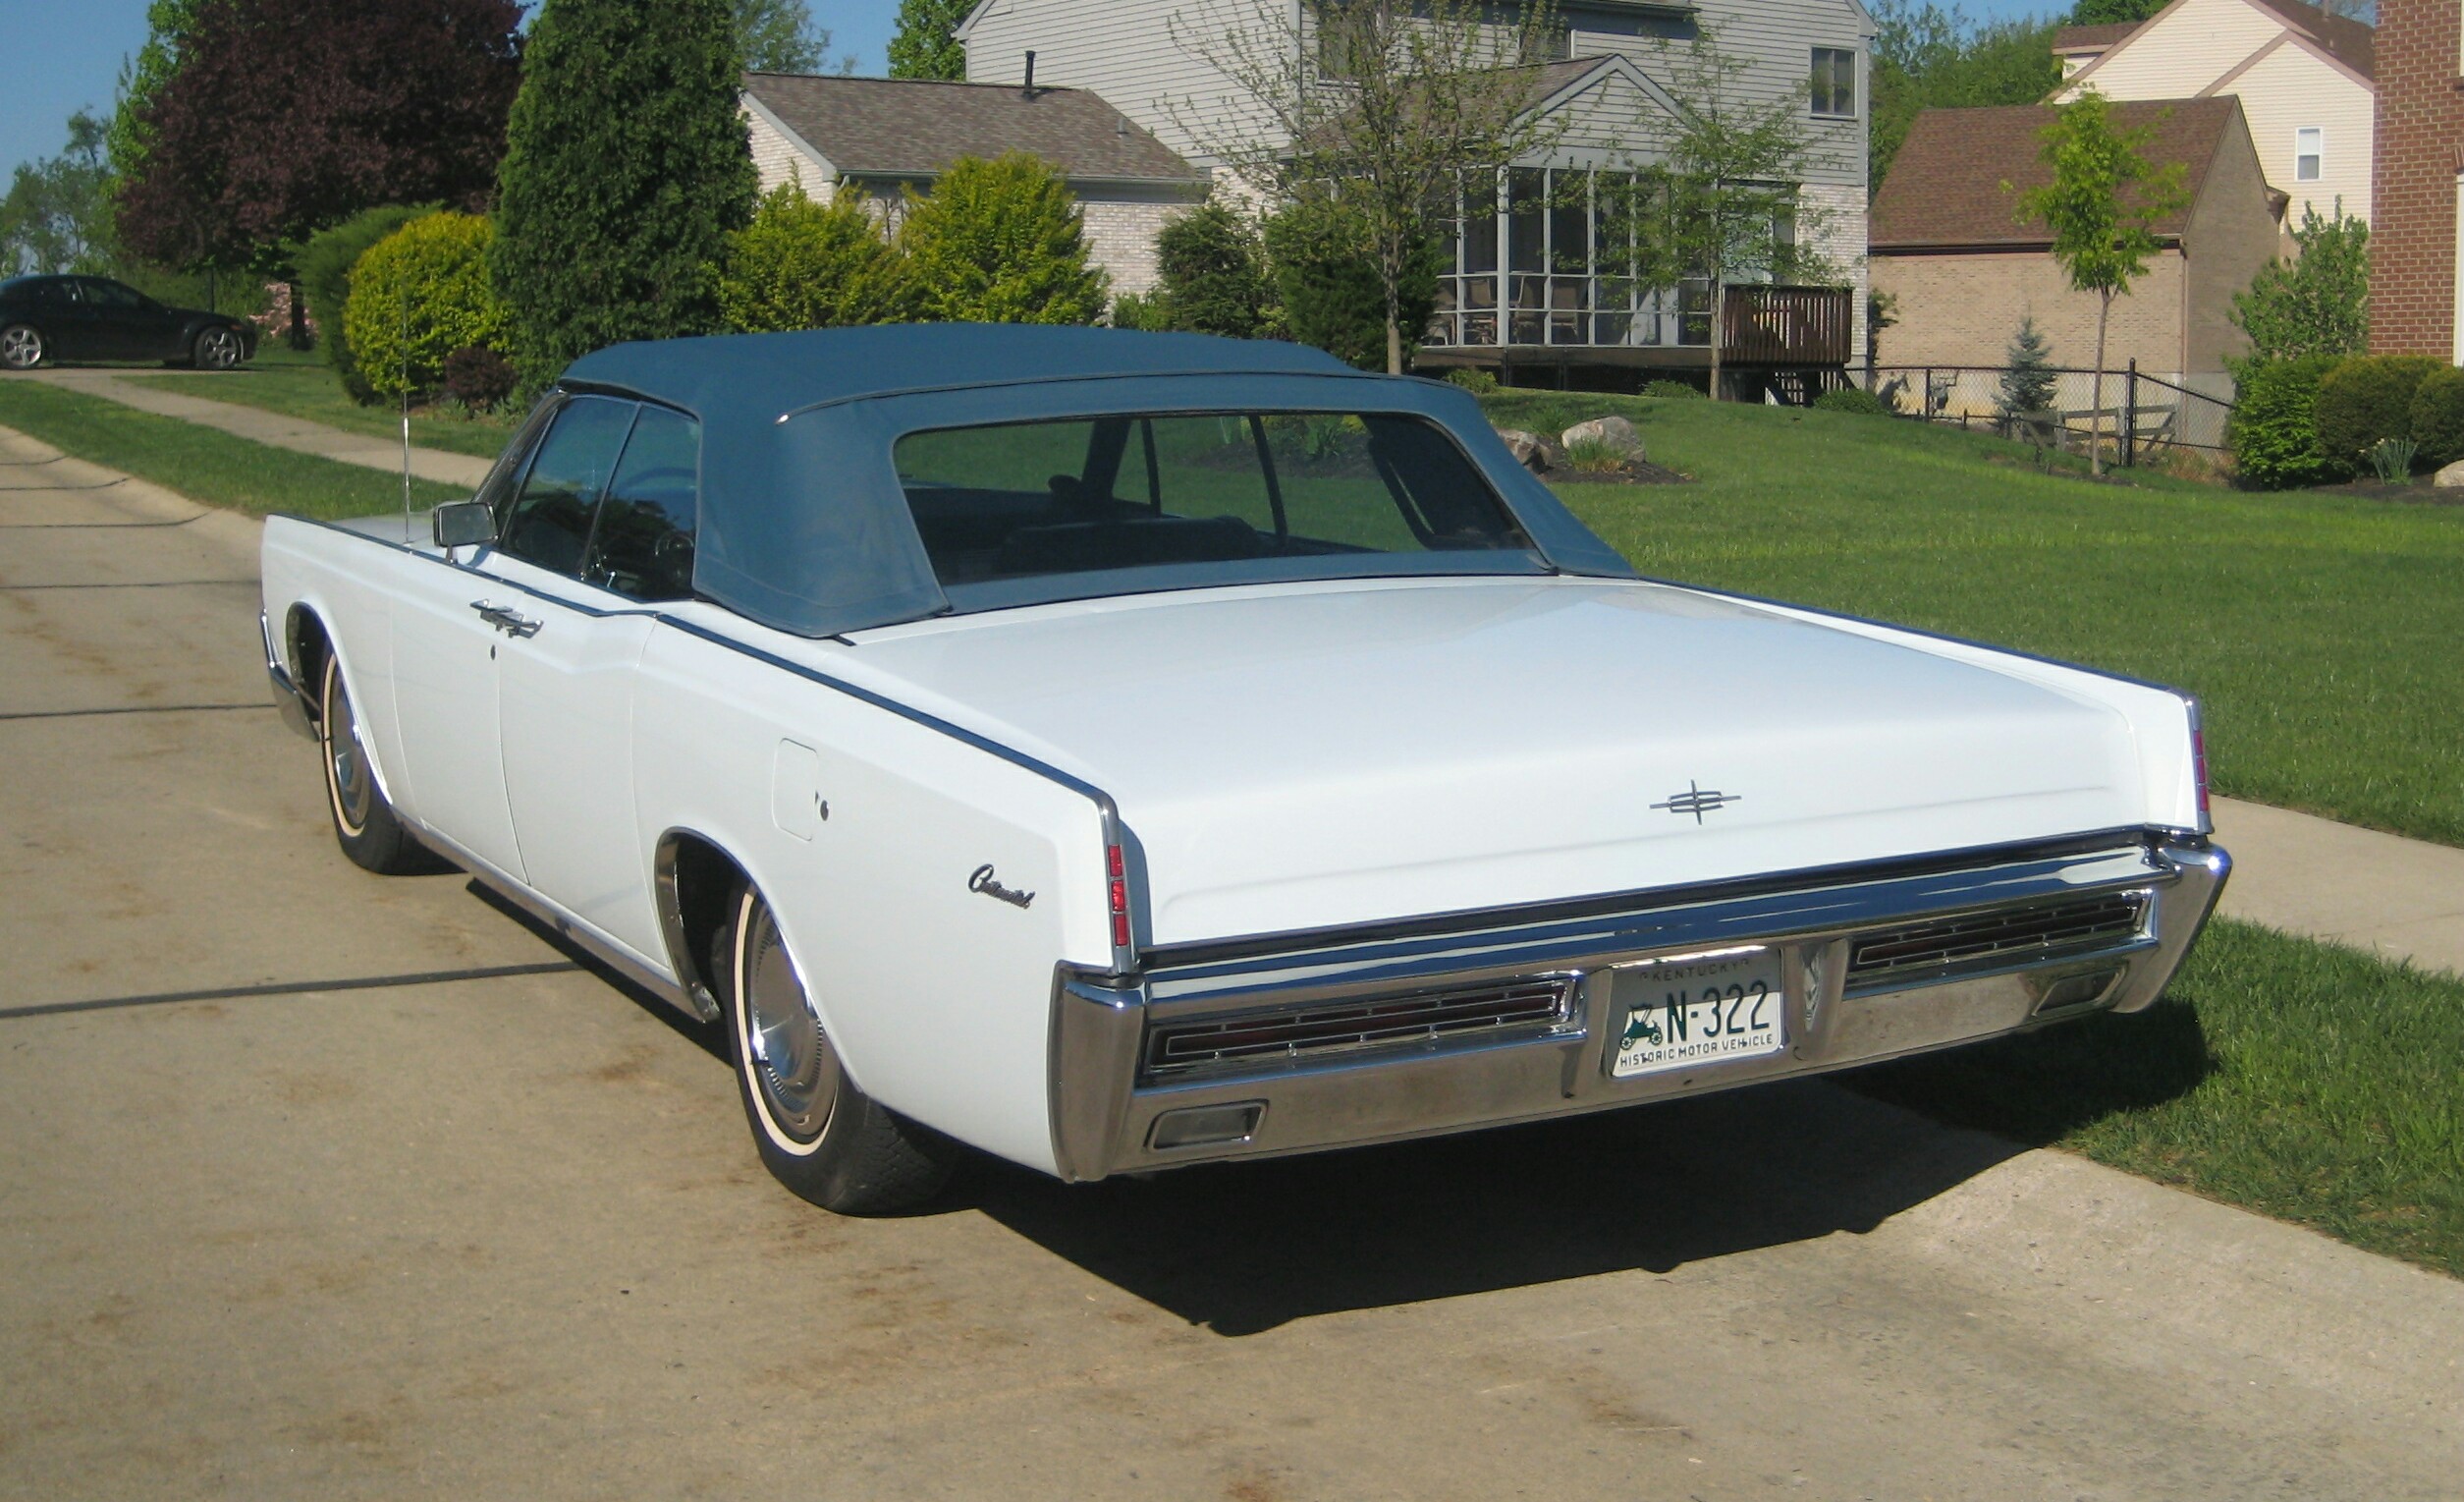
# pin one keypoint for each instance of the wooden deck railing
(1788, 325)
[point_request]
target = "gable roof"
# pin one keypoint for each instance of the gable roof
(2070, 41)
(1946, 185)
(915, 128)
(2353, 43)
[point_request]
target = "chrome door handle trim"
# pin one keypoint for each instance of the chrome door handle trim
(510, 622)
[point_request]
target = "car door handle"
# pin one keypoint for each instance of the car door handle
(507, 621)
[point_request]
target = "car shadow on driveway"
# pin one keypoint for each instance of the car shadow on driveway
(1241, 1248)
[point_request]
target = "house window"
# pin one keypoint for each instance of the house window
(2309, 146)
(1835, 83)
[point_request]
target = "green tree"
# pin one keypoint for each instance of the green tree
(417, 295)
(57, 215)
(1722, 204)
(1212, 274)
(1930, 56)
(1331, 286)
(168, 23)
(1000, 242)
(779, 36)
(2098, 13)
(1422, 107)
(2315, 302)
(325, 266)
(801, 264)
(626, 169)
(2028, 381)
(925, 46)
(2102, 207)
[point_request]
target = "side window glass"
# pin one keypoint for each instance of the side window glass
(549, 523)
(643, 547)
(506, 475)
(109, 294)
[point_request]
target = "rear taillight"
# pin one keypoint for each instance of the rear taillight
(2198, 764)
(1117, 873)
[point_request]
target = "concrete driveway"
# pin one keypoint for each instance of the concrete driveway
(327, 1186)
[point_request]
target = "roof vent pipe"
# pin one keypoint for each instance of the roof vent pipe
(1029, 89)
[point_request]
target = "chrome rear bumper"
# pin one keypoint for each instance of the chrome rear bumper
(1110, 1091)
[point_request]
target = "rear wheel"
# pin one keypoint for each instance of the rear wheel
(21, 346)
(817, 1133)
(218, 349)
(365, 825)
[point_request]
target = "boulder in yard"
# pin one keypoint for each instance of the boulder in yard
(1615, 433)
(2451, 476)
(1531, 451)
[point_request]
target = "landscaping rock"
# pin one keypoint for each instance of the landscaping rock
(1615, 433)
(2451, 478)
(1531, 451)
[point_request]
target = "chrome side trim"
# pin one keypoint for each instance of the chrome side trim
(297, 711)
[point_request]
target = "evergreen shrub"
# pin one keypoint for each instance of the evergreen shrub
(1000, 242)
(1675, 390)
(1212, 274)
(431, 277)
(2438, 417)
(325, 263)
(2367, 398)
(801, 264)
(2273, 429)
(1853, 399)
(1327, 281)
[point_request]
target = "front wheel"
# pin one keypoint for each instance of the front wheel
(21, 346)
(817, 1133)
(364, 823)
(218, 349)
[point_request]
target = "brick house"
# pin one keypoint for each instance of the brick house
(2416, 278)
(2305, 80)
(886, 136)
(1949, 247)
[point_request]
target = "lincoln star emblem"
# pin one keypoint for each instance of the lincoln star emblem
(1698, 800)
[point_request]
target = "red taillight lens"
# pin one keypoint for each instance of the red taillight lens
(1118, 869)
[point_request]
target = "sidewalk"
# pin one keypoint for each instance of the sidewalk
(273, 428)
(2401, 898)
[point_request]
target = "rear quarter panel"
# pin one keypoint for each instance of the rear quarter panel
(938, 997)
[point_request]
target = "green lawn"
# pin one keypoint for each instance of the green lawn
(2310, 1082)
(2325, 634)
(201, 463)
(304, 386)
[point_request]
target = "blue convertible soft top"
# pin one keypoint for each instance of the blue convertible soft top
(805, 525)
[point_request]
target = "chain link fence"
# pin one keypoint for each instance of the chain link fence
(2136, 413)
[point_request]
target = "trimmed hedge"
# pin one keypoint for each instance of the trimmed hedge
(431, 275)
(2273, 431)
(2439, 418)
(1853, 399)
(2367, 398)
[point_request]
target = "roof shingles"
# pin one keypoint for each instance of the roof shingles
(912, 127)
(1957, 182)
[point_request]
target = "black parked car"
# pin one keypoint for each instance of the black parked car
(92, 318)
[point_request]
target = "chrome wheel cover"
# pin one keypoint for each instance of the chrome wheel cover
(786, 1055)
(346, 763)
(218, 349)
(21, 349)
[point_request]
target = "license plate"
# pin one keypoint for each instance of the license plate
(1691, 1010)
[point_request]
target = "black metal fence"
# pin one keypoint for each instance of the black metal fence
(2135, 414)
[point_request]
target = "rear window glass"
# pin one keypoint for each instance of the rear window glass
(1019, 500)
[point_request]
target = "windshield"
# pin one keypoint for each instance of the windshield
(1022, 500)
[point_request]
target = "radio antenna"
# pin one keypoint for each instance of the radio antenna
(408, 540)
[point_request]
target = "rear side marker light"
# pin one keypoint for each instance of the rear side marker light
(2199, 764)
(1117, 870)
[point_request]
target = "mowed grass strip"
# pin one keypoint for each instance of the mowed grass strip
(203, 464)
(2321, 632)
(308, 389)
(2304, 1081)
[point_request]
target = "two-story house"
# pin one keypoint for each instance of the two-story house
(2306, 81)
(1538, 282)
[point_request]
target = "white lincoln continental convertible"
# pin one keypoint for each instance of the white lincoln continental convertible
(1113, 751)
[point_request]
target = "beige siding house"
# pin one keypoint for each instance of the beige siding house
(2304, 78)
(886, 136)
(1523, 294)
(1950, 249)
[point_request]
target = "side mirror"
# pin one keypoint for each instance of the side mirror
(462, 524)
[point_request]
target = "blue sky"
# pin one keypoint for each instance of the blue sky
(66, 53)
